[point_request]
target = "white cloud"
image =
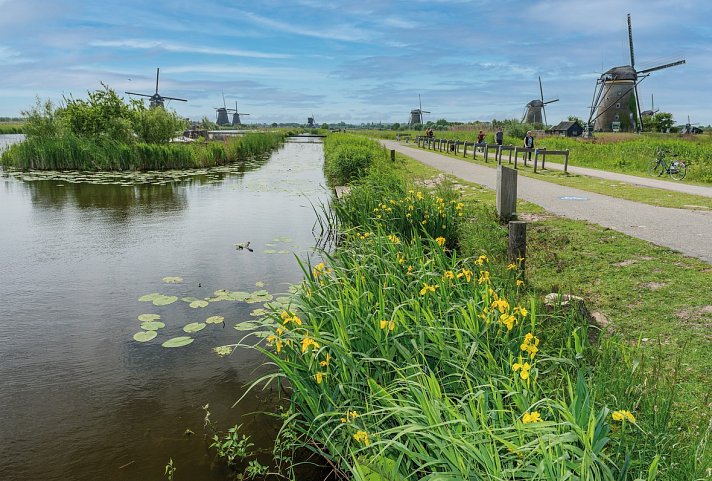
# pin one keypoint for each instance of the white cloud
(176, 47)
(341, 32)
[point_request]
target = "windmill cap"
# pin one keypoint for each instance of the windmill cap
(622, 73)
(535, 103)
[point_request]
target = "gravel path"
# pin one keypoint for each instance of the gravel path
(687, 231)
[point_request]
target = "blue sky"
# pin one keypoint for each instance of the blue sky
(363, 61)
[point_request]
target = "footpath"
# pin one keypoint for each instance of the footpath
(687, 231)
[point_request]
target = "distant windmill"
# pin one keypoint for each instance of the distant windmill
(610, 108)
(690, 128)
(222, 113)
(156, 98)
(236, 116)
(652, 111)
(533, 110)
(416, 115)
(311, 123)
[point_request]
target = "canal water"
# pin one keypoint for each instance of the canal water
(80, 399)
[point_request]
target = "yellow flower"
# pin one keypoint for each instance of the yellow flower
(362, 437)
(524, 368)
(481, 260)
(623, 415)
(440, 241)
(350, 415)
(419, 195)
(320, 268)
(394, 238)
(508, 320)
(410, 269)
(501, 305)
(530, 344)
(364, 235)
(520, 282)
(285, 315)
(511, 267)
(319, 377)
(400, 258)
(296, 320)
(325, 362)
(427, 288)
(484, 277)
(522, 311)
(533, 417)
(390, 325)
(307, 341)
(276, 341)
(467, 273)
(448, 275)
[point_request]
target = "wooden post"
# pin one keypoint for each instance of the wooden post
(543, 158)
(464, 149)
(486, 151)
(517, 249)
(566, 161)
(536, 158)
(498, 155)
(516, 156)
(393, 155)
(506, 192)
(510, 155)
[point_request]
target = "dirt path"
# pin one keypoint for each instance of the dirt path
(687, 231)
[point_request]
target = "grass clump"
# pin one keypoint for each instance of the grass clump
(348, 157)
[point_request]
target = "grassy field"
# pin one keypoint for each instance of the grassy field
(11, 127)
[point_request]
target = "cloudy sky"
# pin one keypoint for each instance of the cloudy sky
(362, 61)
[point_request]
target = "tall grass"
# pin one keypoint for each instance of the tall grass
(71, 152)
(347, 157)
(11, 128)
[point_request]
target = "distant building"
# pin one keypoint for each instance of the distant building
(567, 129)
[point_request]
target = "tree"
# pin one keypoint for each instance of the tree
(578, 121)
(103, 114)
(395, 126)
(664, 121)
(157, 126)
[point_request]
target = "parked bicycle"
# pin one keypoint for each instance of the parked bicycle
(677, 169)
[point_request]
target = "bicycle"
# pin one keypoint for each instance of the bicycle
(677, 169)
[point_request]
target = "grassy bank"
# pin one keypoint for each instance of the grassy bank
(408, 358)
(76, 153)
(11, 128)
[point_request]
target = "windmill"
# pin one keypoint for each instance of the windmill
(652, 111)
(416, 115)
(311, 123)
(236, 116)
(156, 98)
(533, 110)
(221, 113)
(690, 128)
(616, 105)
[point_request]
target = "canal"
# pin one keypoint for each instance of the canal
(80, 398)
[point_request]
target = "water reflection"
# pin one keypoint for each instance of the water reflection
(82, 400)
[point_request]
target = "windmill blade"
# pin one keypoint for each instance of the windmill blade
(541, 90)
(173, 98)
(550, 101)
(630, 43)
(157, 72)
(639, 121)
(223, 95)
(141, 95)
(425, 111)
(660, 67)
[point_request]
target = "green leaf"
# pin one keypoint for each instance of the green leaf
(197, 304)
(152, 325)
(215, 320)
(179, 341)
(149, 297)
(149, 317)
(144, 336)
(189, 299)
(194, 327)
(164, 300)
(172, 280)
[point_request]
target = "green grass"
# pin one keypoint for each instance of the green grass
(11, 128)
(76, 153)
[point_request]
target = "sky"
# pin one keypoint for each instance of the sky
(363, 61)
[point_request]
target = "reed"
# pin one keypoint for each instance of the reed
(71, 152)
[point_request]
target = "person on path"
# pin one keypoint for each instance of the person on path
(499, 136)
(481, 139)
(529, 143)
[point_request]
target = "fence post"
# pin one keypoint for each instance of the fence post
(516, 156)
(506, 200)
(566, 161)
(517, 249)
(543, 158)
(393, 155)
(536, 158)
(510, 155)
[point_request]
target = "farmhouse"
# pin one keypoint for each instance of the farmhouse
(567, 129)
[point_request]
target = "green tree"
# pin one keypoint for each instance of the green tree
(104, 113)
(325, 126)
(42, 120)
(157, 126)
(395, 126)
(663, 121)
(578, 121)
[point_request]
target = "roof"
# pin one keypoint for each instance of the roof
(564, 125)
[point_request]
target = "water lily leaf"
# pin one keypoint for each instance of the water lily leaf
(261, 292)
(282, 239)
(179, 341)
(260, 284)
(294, 288)
(149, 297)
(149, 317)
(152, 325)
(269, 251)
(189, 299)
(249, 325)
(194, 327)
(255, 299)
(238, 295)
(259, 312)
(172, 280)
(197, 304)
(144, 336)
(223, 351)
(284, 300)
(215, 320)
(164, 300)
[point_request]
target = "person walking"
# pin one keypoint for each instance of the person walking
(529, 143)
(499, 136)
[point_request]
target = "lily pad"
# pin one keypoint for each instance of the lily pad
(164, 300)
(269, 251)
(144, 336)
(223, 351)
(152, 326)
(260, 284)
(173, 280)
(150, 297)
(282, 239)
(261, 292)
(249, 325)
(179, 341)
(282, 252)
(215, 320)
(259, 312)
(189, 299)
(284, 300)
(197, 304)
(149, 317)
(194, 327)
